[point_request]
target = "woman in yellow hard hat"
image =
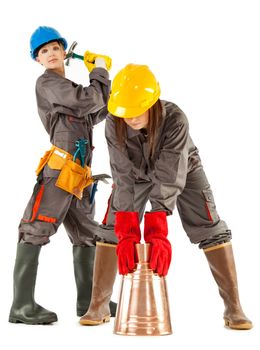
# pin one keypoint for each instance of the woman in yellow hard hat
(153, 158)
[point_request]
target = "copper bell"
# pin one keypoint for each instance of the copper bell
(143, 307)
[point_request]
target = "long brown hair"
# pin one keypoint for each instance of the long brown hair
(155, 115)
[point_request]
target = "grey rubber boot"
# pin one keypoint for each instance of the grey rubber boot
(24, 308)
(83, 259)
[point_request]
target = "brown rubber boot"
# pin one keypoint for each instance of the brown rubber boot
(105, 269)
(222, 265)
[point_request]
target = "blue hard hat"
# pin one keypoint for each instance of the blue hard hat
(42, 36)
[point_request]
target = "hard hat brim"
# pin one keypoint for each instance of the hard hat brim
(127, 112)
(61, 40)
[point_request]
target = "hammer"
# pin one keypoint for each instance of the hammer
(97, 178)
(71, 54)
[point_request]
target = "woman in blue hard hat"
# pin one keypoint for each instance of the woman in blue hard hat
(62, 193)
(153, 158)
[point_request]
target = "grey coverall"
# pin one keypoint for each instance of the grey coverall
(68, 112)
(174, 176)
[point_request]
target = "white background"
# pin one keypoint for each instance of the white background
(206, 57)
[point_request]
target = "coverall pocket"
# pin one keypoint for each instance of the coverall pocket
(33, 206)
(210, 205)
(168, 167)
(56, 161)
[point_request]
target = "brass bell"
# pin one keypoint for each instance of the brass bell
(143, 307)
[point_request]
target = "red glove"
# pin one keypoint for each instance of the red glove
(155, 233)
(127, 230)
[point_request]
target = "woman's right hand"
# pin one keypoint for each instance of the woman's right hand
(126, 256)
(127, 230)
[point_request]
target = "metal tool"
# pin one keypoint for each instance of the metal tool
(80, 152)
(96, 178)
(72, 54)
(101, 177)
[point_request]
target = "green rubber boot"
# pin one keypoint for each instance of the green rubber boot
(24, 308)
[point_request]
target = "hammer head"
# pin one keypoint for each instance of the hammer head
(101, 177)
(70, 53)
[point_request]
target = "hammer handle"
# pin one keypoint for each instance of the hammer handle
(74, 55)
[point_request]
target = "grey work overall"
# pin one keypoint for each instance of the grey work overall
(174, 176)
(68, 113)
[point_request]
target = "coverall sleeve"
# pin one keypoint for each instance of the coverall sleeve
(171, 166)
(121, 169)
(99, 116)
(64, 96)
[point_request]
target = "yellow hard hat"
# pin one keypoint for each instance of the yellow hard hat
(134, 91)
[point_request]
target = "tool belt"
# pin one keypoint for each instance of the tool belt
(73, 178)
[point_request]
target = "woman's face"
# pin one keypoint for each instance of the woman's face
(139, 122)
(52, 56)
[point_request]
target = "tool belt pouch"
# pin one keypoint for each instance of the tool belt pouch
(56, 162)
(43, 161)
(74, 178)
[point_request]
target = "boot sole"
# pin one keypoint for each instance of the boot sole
(94, 323)
(16, 320)
(241, 326)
